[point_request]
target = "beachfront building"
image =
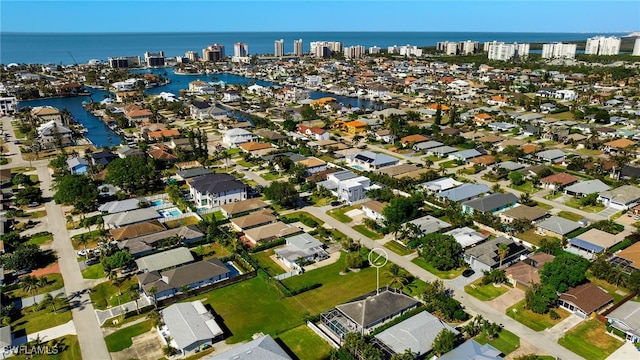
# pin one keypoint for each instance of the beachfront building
(406, 50)
(354, 52)
(559, 50)
(636, 48)
(278, 48)
(8, 105)
(154, 59)
(601, 45)
(323, 49)
(240, 49)
(458, 48)
(123, 62)
(503, 51)
(297, 47)
(213, 52)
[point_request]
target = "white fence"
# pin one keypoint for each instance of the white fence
(178, 217)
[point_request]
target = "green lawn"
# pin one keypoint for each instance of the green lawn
(34, 321)
(245, 163)
(339, 214)
(545, 206)
(537, 322)
(527, 187)
(122, 339)
(191, 220)
(68, 349)
(211, 250)
(448, 164)
(95, 271)
(54, 282)
(398, 248)
(106, 294)
(507, 342)
(271, 176)
(570, 216)
(447, 275)
(263, 258)
(484, 292)
(217, 214)
(575, 203)
(589, 340)
(552, 196)
(301, 215)
(589, 152)
(306, 344)
(93, 236)
(531, 237)
(367, 232)
(610, 288)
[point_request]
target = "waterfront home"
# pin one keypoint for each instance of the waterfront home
(8, 105)
(52, 134)
(485, 256)
(303, 247)
(416, 334)
(204, 111)
(490, 203)
(583, 300)
(77, 165)
(201, 87)
(46, 114)
(212, 190)
(370, 161)
(137, 114)
(69, 89)
(194, 276)
(102, 158)
(190, 326)
(234, 137)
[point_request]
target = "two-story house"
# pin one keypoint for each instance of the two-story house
(212, 190)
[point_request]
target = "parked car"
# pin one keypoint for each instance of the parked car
(468, 273)
(92, 261)
(128, 269)
(34, 204)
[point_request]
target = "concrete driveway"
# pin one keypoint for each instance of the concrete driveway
(147, 346)
(504, 301)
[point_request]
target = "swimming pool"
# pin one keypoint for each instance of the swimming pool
(157, 202)
(357, 167)
(233, 269)
(174, 211)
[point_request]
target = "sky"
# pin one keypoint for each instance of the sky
(312, 15)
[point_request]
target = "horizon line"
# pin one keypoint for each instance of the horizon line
(319, 31)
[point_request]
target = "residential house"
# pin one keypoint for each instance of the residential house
(502, 126)
(370, 161)
(465, 155)
(190, 326)
(482, 118)
(261, 348)
(511, 166)
(464, 192)
(253, 147)
(347, 186)
(125, 151)
(628, 259)
(558, 181)
(365, 314)
(583, 300)
(442, 184)
(472, 350)
(195, 275)
(498, 101)
(117, 206)
(204, 111)
(551, 156)
(427, 224)
(485, 256)
(416, 334)
(413, 139)
(301, 247)
(231, 96)
(557, 227)
(254, 219)
(618, 146)
(213, 190)
(102, 158)
(136, 230)
(46, 114)
(425, 146)
(52, 134)
(77, 165)
(530, 213)
(314, 132)
(144, 244)
(527, 272)
(270, 232)
(373, 210)
(165, 259)
(270, 135)
(621, 198)
(592, 242)
(6, 340)
(626, 318)
(490, 203)
(354, 127)
(130, 217)
(441, 151)
(187, 174)
(385, 136)
(234, 137)
(238, 208)
(313, 165)
(466, 237)
(584, 188)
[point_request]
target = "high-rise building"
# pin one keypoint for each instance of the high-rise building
(123, 62)
(469, 47)
(502, 51)
(324, 48)
(601, 45)
(278, 48)
(636, 48)
(154, 59)
(407, 50)
(374, 50)
(297, 48)
(559, 50)
(192, 56)
(354, 52)
(240, 49)
(213, 52)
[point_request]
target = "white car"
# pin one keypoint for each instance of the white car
(84, 252)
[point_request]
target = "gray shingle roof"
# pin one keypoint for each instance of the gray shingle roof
(491, 202)
(117, 206)
(216, 183)
(375, 308)
(264, 348)
(464, 192)
(189, 323)
(130, 217)
(487, 252)
(417, 334)
(559, 225)
(472, 350)
(165, 259)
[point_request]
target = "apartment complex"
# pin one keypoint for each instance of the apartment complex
(154, 59)
(374, 50)
(278, 48)
(354, 52)
(123, 62)
(636, 48)
(503, 51)
(406, 50)
(213, 52)
(297, 47)
(559, 51)
(240, 49)
(323, 49)
(601, 45)
(458, 48)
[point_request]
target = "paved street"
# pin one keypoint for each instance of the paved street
(86, 324)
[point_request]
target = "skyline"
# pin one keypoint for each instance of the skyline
(289, 16)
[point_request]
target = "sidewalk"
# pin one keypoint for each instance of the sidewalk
(104, 315)
(45, 335)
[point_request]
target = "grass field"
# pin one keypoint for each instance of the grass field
(527, 187)
(397, 248)
(589, 340)
(122, 339)
(41, 239)
(191, 220)
(339, 214)
(570, 216)
(574, 203)
(263, 258)
(301, 215)
(54, 282)
(271, 176)
(531, 237)
(106, 294)
(68, 349)
(211, 250)
(545, 206)
(448, 164)
(93, 236)
(367, 232)
(34, 321)
(507, 342)
(537, 322)
(306, 344)
(447, 275)
(95, 271)
(484, 292)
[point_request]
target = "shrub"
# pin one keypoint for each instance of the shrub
(554, 315)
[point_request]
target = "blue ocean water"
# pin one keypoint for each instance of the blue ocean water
(63, 48)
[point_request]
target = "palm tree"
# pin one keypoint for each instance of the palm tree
(59, 301)
(134, 293)
(154, 293)
(84, 241)
(29, 284)
(397, 276)
(503, 251)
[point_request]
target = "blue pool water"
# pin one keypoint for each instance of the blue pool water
(157, 202)
(233, 269)
(357, 167)
(170, 212)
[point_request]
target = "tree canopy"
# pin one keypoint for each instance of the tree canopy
(566, 270)
(282, 193)
(441, 251)
(133, 174)
(77, 190)
(402, 209)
